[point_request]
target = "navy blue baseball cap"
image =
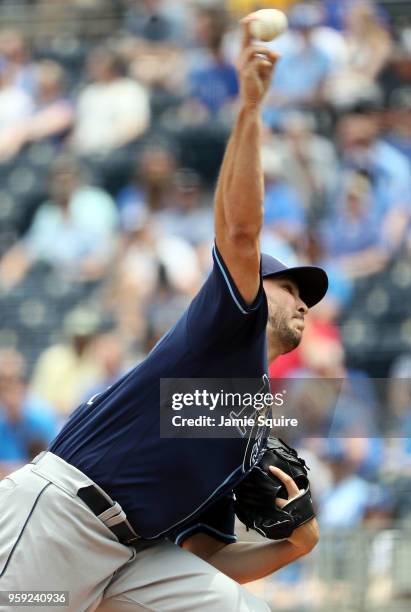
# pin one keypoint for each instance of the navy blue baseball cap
(312, 282)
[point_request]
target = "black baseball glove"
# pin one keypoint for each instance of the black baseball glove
(255, 496)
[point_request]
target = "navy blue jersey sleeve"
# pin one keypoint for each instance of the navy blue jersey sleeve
(219, 312)
(216, 521)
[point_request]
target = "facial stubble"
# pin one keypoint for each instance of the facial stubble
(280, 331)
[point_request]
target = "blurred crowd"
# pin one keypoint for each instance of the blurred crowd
(113, 121)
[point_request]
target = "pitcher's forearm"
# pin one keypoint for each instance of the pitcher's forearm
(240, 188)
(246, 561)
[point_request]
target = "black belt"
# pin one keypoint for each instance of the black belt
(99, 504)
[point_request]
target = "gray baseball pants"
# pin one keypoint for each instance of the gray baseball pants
(51, 541)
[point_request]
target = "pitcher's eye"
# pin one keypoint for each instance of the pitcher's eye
(288, 287)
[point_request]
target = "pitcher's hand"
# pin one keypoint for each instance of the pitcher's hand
(306, 536)
(255, 68)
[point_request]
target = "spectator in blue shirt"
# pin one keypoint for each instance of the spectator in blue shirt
(370, 212)
(302, 70)
(150, 182)
(363, 148)
(155, 21)
(27, 424)
(212, 82)
(355, 222)
(344, 505)
(284, 210)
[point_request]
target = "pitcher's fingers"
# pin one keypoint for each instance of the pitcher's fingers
(281, 503)
(264, 66)
(252, 51)
(288, 482)
(249, 17)
(246, 36)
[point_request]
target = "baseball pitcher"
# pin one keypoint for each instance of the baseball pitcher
(122, 519)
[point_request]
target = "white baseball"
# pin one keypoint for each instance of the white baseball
(268, 24)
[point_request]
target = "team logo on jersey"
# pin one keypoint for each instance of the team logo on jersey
(257, 434)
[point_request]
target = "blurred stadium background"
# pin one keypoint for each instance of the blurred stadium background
(114, 116)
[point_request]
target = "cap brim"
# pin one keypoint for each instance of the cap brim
(312, 282)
